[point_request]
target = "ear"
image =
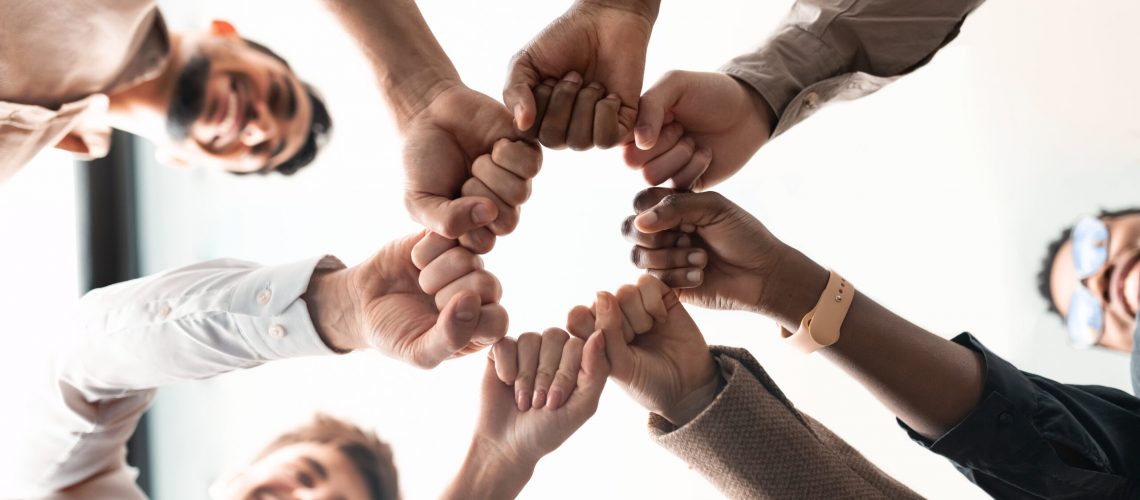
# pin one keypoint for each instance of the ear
(222, 28)
(170, 157)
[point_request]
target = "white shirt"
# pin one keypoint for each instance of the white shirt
(190, 323)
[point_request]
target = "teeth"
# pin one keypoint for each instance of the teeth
(228, 121)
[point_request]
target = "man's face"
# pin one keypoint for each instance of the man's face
(1116, 285)
(298, 471)
(250, 111)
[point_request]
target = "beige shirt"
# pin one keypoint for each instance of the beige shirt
(58, 61)
(844, 49)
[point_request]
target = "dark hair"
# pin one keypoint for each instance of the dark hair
(1044, 285)
(371, 456)
(320, 124)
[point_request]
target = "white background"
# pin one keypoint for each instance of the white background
(957, 177)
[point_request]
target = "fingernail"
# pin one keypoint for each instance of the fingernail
(539, 399)
(697, 258)
(641, 133)
(523, 401)
(466, 309)
(693, 276)
(684, 241)
(554, 399)
(646, 218)
(688, 228)
(518, 113)
(573, 76)
(603, 303)
(595, 86)
(481, 214)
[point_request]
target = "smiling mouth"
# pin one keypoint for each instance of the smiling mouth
(1118, 283)
(232, 116)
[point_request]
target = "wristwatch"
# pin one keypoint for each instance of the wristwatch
(820, 326)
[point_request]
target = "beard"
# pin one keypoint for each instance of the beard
(189, 97)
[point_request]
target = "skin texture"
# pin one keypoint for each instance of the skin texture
(447, 127)
(379, 304)
(657, 352)
(262, 122)
(593, 60)
(927, 381)
(509, 440)
(698, 129)
(1117, 288)
(301, 470)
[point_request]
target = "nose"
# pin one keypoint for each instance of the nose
(260, 128)
(1098, 284)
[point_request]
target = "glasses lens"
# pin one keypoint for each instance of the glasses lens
(1090, 246)
(1085, 320)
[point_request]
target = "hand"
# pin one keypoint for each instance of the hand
(594, 41)
(510, 439)
(708, 114)
(656, 351)
(466, 175)
(380, 303)
(714, 252)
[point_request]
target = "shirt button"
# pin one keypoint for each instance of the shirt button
(1005, 418)
(264, 296)
(164, 310)
(811, 100)
(277, 331)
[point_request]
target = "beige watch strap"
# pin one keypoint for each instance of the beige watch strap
(820, 326)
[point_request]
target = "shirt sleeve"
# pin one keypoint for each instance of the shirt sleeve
(828, 50)
(751, 442)
(1030, 436)
(189, 323)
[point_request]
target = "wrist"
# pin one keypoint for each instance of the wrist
(645, 8)
(332, 310)
(410, 95)
(685, 409)
(761, 108)
(791, 289)
(491, 472)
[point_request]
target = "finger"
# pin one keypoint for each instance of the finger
(566, 378)
(668, 258)
(452, 265)
(528, 346)
(580, 322)
(652, 289)
(609, 322)
(542, 93)
(508, 187)
(505, 353)
(580, 135)
(508, 218)
(479, 241)
(671, 163)
(517, 94)
(689, 176)
(454, 327)
(629, 299)
(549, 355)
(517, 157)
(697, 209)
(493, 323)
(429, 248)
(679, 278)
(667, 138)
(653, 109)
(481, 283)
(607, 130)
(648, 198)
(451, 218)
(666, 239)
(552, 133)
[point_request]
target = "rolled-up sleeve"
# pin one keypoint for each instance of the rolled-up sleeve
(1030, 436)
(844, 49)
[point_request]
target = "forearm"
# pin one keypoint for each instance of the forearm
(927, 381)
(488, 474)
(410, 65)
(647, 8)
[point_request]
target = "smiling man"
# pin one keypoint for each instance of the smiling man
(74, 71)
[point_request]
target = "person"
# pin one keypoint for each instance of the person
(206, 98)
(1012, 433)
(578, 82)
(137, 336)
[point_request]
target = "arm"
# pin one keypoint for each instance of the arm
(445, 126)
(825, 50)
(720, 412)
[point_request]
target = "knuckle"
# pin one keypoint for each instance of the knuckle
(543, 376)
(555, 334)
(635, 256)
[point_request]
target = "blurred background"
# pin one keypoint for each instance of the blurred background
(958, 175)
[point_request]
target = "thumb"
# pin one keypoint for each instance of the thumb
(518, 94)
(591, 378)
(453, 329)
(609, 324)
(452, 218)
(674, 210)
(653, 110)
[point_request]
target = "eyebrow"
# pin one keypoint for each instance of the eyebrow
(291, 103)
(317, 467)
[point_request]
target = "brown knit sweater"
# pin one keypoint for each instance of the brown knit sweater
(752, 443)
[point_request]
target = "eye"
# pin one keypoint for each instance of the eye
(305, 479)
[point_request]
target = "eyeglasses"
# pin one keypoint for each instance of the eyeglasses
(1085, 319)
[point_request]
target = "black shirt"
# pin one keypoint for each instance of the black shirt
(1032, 437)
